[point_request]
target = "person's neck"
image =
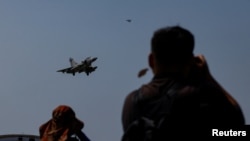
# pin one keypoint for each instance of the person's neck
(180, 70)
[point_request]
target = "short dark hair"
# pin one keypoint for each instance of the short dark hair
(172, 45)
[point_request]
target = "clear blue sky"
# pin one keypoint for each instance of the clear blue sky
(38, 37)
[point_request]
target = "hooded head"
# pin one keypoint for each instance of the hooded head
(65, 116)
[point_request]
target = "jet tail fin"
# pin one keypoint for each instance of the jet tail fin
(72, 62)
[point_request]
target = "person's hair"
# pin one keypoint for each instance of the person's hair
(63, 113)
(172, 45)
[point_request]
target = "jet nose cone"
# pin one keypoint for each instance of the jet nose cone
(94, 58)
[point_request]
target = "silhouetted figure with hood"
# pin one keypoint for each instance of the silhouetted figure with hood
(64, 126)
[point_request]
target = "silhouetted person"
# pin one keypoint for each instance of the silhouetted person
(192, 97)
(62, 126)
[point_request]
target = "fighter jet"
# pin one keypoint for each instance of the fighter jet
(129, 20)
(84, 66)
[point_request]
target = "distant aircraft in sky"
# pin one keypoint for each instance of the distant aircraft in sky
(129, 20)
(84, 66)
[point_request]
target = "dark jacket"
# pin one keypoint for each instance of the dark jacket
(198, 101)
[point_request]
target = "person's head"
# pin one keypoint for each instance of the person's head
(170, 47)
(63, 115)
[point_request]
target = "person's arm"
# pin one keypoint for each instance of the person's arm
(202, 65)
(128, 115)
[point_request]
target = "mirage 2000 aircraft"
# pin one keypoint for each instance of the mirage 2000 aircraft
(84, 66)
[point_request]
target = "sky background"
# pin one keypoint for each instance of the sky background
(38, 37)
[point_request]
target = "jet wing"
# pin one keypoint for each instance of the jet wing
(90, 70)
(65, 70)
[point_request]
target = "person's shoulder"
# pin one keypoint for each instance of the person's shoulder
(130, 96)
(43, 127)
